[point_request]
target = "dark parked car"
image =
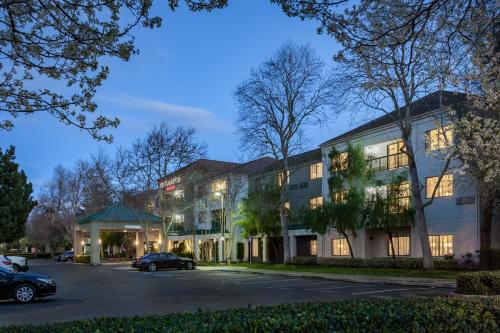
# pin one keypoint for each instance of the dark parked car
(66, 256)
(154, 261)
(25, 287)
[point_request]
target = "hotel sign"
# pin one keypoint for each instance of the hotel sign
(170, 184)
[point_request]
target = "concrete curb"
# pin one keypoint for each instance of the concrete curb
(403, 281)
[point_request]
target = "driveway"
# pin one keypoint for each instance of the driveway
(87, 292)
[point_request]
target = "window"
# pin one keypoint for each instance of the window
(340, 161)
(316, 170)
(441, 245)
(399, 197)
(340, 247)
(445, 188)
(313, 247)
(202, 217)
(315, 202)
(218, 186)
(339, 197)
(438, 138)
(401, 246)
(179, 218)
(255, 247)
(396, 157)
(281, 176)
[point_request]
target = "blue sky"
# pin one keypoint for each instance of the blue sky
(186, 73)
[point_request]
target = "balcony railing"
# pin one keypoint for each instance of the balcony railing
(388, 162)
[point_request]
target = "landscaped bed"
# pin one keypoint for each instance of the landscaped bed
(375, 315)
(401, 272)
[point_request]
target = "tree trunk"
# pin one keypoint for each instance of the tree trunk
(420, 221)
(351, 252)
(287, 257)
(392, 245)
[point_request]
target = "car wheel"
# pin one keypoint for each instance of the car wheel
(189, 266)
(24, 293)
(152, 267)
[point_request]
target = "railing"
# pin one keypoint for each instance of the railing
(388, 162)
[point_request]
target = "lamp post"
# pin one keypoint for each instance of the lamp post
(222, 226)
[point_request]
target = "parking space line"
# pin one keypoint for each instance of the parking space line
(384, 291)
(305, 284)
(273, 281)
(338, 287)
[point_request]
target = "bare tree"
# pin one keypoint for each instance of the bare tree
(287, 92)
(391, 74)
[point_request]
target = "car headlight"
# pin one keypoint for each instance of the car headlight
(48, 281)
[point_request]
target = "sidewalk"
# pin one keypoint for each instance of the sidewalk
(398, 280)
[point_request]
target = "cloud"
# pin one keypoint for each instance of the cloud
(202, 119)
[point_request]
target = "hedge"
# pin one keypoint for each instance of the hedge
(82, 259)
(479, 283)
(369, 315)
(405, 263)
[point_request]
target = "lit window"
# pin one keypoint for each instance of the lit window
(255, 247)
(445, 188)
(340, 162)
(439, 138)
(313, 247)
(396, 157)
(401, 246)
(339, 197)
(179, 218)
(399, 197)
(281, 176)
(340, 247)
(315, 202)
(441, 245)
(218, 186)
(316, 170)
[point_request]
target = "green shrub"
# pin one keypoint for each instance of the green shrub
(43, 255)
(84, 259)
(479, 283)
(404, 263)
(369, 315)
(305, 260)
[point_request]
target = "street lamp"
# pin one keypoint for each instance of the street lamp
(222, 226)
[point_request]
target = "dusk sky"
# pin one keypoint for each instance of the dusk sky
(186, 74)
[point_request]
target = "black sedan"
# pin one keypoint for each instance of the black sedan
(154, 261)
(25, 287)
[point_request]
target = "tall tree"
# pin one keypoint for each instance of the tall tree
(287, 92)
(16, 201)
(390, 75)
(258, 213)
(66, 43)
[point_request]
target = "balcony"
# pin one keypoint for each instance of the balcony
(388, 162)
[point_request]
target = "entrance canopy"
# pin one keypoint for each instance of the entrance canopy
(117, 217)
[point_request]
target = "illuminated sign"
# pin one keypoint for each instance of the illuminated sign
(169, 182)
(135, 227)
(170, 188)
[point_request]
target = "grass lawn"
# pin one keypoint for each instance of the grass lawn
(438, 274)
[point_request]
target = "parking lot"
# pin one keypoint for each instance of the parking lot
(113, 290)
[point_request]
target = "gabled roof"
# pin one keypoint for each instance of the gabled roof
(254, 166)
(419, 107)
(205, 165)
(119, 212)
(306, 157)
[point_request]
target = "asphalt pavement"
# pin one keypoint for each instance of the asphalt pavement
(110, 290)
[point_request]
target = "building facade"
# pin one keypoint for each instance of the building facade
(199, 204)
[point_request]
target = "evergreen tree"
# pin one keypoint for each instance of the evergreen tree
(16, 201)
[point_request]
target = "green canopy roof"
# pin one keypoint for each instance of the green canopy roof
(120, 212)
